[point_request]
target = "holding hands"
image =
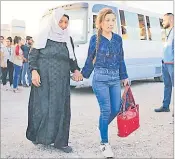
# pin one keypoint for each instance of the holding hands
(77, 76)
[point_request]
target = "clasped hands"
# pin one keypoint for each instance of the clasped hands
(77, 76)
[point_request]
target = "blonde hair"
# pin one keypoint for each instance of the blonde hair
(100, 18)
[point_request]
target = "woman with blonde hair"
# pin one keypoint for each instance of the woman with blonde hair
(106, 58)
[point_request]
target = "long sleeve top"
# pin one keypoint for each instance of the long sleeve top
(51, 48)
(110, 55)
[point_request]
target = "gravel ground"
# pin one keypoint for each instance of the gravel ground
(154, 138)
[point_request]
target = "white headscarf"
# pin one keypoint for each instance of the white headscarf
(49, 29)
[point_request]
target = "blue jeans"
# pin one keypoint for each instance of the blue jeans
(107, 88)
(168, 79)
(16, 75)
(25, 70)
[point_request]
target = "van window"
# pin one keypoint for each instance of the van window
(153, 28)
(142, 27)
(132, 26)
(163, 31)
(94, 25)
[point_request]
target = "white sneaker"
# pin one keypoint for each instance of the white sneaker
(11, 88)
(106, 150)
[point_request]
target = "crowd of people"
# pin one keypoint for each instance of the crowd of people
(14, 54)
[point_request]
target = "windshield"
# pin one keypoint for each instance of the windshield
(78, 25)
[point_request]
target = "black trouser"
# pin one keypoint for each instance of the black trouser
(4, 75)
(8, 70)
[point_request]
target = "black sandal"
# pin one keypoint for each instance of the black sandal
(66, 149)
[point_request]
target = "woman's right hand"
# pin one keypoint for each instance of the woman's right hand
(126, 82)
(36, 78)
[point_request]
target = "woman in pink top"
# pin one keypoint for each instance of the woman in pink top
(18, 61)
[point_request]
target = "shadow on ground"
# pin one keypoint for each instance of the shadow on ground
(88, 90)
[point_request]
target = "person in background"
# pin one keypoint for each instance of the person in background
(18, 61)
(25, 69)
(10, 67)
(8, 51)
(1, 52)
(3, 58)
(20, 77)
(10, 60)
(1, 39)
(168, 63)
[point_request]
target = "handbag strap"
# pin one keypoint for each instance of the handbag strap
(130, 97)
(124, 98)
(72, 43)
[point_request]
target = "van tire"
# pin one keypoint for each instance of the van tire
(158, 79)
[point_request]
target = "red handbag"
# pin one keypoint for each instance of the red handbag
(128, 118)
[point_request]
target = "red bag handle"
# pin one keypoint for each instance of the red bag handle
(130, 97)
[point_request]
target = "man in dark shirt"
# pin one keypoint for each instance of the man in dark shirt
(26, 49)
